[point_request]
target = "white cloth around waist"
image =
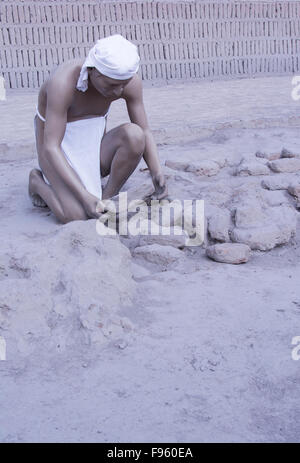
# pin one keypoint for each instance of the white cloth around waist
(81, 147)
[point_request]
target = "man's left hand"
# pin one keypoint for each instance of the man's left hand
(160, 185)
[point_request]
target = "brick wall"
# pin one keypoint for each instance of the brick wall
(176, 39)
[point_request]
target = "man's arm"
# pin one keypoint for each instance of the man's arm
(59, 97)
(133, 95)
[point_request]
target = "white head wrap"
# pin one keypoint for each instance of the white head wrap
(113, 56)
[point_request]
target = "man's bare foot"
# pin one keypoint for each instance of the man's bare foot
(35, 177)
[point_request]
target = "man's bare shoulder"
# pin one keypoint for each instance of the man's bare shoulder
(66, 74)
(62, 81)
(134, 89)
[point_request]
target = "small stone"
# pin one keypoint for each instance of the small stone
(285, 165)
(251, 168)
(261, 238)
(219, 225)
(269, 156)
(294, 190)
(275, 183)
(287, 154)
(160, 255)
(281, 226)
(275, 198)
(250, 215)
(229, 253)
(205, 167)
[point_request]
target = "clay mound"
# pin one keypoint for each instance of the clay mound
(64, 288)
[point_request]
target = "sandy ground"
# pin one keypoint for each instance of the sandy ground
(206, 352)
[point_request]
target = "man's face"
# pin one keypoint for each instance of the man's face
(109, 88)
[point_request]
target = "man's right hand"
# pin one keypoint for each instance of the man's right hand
(93, 206)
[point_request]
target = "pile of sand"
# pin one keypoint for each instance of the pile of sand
(64, 288)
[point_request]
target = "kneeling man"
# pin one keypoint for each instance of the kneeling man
(74, 150)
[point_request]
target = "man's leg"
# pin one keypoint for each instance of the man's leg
(57, 197)
(65, 209)
(121, 151)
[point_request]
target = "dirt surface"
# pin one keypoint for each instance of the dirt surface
(190, 351)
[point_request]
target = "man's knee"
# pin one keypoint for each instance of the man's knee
(134, 137)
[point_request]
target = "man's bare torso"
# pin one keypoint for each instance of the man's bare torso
(84, 105)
